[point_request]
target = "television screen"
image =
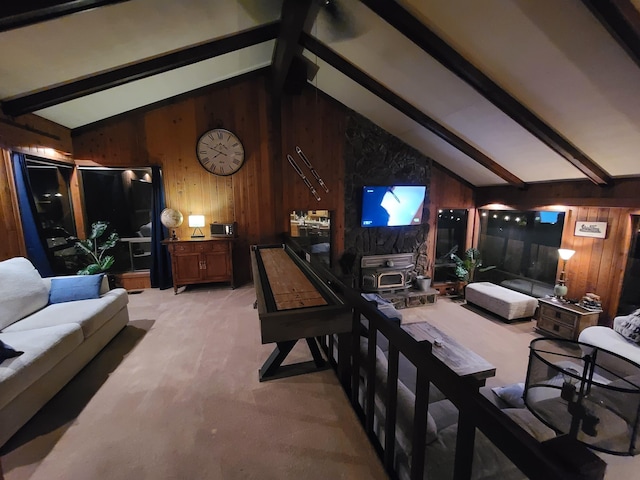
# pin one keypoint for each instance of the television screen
(392, 206)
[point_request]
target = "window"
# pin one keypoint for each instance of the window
(450, 238)
(54, 212)
(523, 245)
(123, 198)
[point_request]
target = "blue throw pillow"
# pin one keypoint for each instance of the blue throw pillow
(7, 352)
(68, 289)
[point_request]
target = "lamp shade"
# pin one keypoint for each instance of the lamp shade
(565, 254)
(589, 393)
(196, 221)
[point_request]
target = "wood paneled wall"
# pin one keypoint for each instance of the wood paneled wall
(167, 136)
(36, 136)
(317, 125)
(260, 196)
(598, 265)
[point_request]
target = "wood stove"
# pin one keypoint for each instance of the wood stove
(386, 273)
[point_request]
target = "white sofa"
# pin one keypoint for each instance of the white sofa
(58, 339)
(609, 339)
(504, 302)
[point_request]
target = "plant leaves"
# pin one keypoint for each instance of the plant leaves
(97, 229)
(109, 242)
(107, 262)
(86, 246)
(91, 269)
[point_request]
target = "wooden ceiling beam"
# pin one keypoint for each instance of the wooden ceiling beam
(399, 18)
(297, 17)
(354, 73)
(112, 78)
(20, 14)
(622, 21)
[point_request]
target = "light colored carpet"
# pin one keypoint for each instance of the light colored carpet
(176, 396)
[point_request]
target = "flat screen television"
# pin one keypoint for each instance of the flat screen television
(392, 205)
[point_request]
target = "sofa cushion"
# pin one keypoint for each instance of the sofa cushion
(89, 314)
(68, 289)
(43, 348)
(21, 289)
(7, 351)
(628, 326)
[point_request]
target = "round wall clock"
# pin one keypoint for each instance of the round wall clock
(220, 152)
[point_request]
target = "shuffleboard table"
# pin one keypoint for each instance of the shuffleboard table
(293, 303)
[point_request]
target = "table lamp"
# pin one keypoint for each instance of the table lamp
(585, 392)
(560, 289)
(196, 222)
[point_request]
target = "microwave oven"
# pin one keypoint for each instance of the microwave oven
(223, 229)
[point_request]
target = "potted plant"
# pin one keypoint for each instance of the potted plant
(466, 269)
(95, 248)
(423, 281)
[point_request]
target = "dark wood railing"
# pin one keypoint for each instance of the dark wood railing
(536, 460)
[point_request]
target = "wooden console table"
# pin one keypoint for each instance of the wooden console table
(204, 260)
(293, 304)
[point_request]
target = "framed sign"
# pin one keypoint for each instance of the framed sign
(591, 229)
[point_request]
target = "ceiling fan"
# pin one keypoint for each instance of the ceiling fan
(341, 21)
(336, 18)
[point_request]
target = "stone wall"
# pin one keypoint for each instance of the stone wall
(375, 157)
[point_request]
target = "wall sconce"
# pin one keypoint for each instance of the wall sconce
(560, 290)
(196, 222)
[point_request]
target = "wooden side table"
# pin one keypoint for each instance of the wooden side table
(201, 261)
(565, 320)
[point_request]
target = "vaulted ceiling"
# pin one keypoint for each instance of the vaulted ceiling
(497, 91)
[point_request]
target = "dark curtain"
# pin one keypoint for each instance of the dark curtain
(160, 259)
(36, 251)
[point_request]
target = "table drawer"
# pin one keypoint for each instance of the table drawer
(211, 247)
(556, 315)
(556, 328)
(183, 248)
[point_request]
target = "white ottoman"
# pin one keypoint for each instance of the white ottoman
(506, 303)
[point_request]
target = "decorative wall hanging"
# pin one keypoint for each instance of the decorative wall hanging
(313, 170)
(591, 229)
(304, 179)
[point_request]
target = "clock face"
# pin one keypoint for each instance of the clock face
(220, 152)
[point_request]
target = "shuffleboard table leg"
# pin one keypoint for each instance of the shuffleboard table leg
(315, 352)
(276, 358)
